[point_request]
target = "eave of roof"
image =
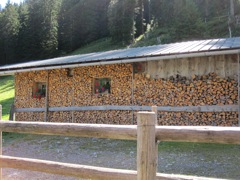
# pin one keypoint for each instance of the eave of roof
(158, 52)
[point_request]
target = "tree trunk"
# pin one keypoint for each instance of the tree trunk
(232, 8)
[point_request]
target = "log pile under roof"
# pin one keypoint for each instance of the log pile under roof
(127, 89)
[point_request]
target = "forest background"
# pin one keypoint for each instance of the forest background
(41, 29)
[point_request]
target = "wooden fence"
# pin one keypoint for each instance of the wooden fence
(213, 108)
(145, 132)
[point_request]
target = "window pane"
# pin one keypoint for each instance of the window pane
(39, 90)
(102, 86)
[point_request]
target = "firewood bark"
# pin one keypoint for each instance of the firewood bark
(78, 90)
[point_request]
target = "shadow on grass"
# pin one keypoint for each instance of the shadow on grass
(6, 105)
(9, 137)
(200, 159)
(7, 83)
(6, 88)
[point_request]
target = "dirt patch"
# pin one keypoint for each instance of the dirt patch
(220, 161)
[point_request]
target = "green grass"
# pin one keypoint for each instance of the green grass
(196, 159)
(201, 159)
(104, 44)
(13, 137)
(6, 95)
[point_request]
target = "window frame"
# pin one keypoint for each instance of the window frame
(39, 90)
(97, 91)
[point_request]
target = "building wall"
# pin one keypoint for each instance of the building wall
(67, 91)
(24, 83)
(224, 66)
(182, 82)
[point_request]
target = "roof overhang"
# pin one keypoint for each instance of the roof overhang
(117, 61)
(190, 49)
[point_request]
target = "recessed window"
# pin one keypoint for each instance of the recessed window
(39, 90)
(102, 86)
(70, 72)
(139, 67)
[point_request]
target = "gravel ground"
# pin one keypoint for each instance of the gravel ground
(194, 159)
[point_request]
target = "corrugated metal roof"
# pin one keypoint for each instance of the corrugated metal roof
(163, 51)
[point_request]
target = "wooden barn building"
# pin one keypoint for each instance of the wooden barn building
(192, 83)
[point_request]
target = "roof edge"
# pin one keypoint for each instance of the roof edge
(147, 58)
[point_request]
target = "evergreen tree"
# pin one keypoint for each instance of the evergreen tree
(162, 12)
(9, 28)
(121, 20)
(42, 23)
(99, 17)
(187, 20)
(142, 16)
(22, 46)
(140, 20)
(80, 22)
(38, 29)
(66, 25)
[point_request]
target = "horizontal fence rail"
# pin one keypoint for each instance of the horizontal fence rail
(214, 108)
(207, 134)
(202, 134)
(83, 171)
(147, 134)
(66, 169)
(0, 141)
(127, 132)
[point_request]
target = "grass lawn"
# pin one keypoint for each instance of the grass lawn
(104, 44)
(196, 159)
(201, 159)
(6, 95)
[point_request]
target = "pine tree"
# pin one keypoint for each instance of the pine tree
(9, 29)
(187, 20)
(43, 25)
(142, 16)
(121, 20)
(23, 52)
(139, 18)
(82, 21)
(162, 12)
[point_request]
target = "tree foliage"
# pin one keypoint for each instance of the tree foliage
(81, 22)
(9, 28)
(43, 27)
(39, 29)
(121, 20)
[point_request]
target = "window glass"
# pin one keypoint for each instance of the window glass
(102, 86)
(39, 90)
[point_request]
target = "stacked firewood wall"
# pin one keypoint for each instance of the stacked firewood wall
(78, 90)
(60, 94)
(195, 91)
(24, 83)
(121, 83)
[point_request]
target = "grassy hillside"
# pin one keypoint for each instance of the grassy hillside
(6, 94)
(104, 44)
(153, 37)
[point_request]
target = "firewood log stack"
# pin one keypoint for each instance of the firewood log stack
(104, 117)
(179, 91)
(24, 83)
(78, 90)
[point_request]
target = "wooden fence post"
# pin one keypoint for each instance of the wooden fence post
(146, 146)
(12, 110)
(0, 141)
(154, 109)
